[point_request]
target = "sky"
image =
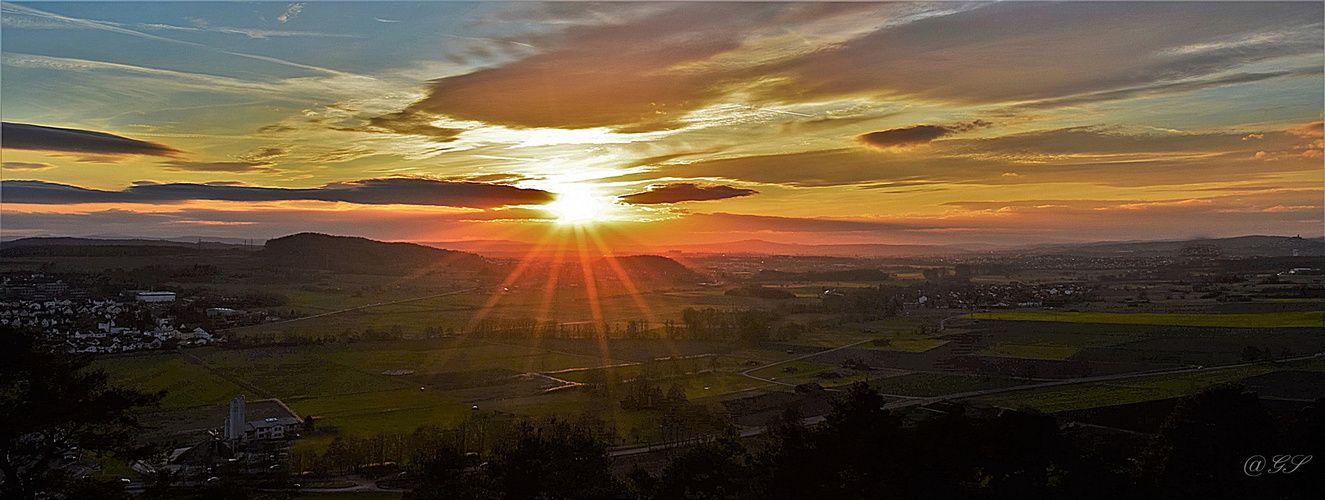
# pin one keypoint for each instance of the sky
(1008, 123)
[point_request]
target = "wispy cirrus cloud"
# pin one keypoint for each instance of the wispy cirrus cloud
(676, 59)
(28, 166)
(1085, 155)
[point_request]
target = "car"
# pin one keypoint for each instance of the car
(213, 480)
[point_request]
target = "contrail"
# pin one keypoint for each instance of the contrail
(115, 28)
(784, 112)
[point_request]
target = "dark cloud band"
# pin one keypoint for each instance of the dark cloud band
(685, 191)
(918, 135)
(402, 191)
(83, 142)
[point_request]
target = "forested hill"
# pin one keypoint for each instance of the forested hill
(658, 268)
(362, 255)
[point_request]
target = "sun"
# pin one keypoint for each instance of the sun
(578, 206)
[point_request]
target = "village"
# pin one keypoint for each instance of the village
(106, 326)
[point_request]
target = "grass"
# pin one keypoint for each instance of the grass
(937, 384)
(186, 384)
(382, 411)
(803, 369)
(1135, 390)
(456, 358)
(1032, 351)
(703, 385)
(350, 495)
(289, 373)
(329, 484)
(1266, 320)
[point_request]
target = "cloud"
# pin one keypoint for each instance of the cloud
(290, 11)
(644, 67)
(1087, 155)
(265, 153)
(409, 122)
(635, 68)
(23, 165)
(684, 191)
(917, 135)
(76, 141)
(237, 167)
(392, 191)
(904, 137)
(1021, 52)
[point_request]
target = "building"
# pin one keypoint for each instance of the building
(155, 296)
(272, 428)
(238, 430)
(234, 423)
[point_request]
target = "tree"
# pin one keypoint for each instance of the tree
(51, 405)
(714, 470)
(442, 472)
(557, 459)
(1204, 443)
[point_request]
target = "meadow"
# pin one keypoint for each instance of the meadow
(938, 384)
(1263, 320)
(1135, 390)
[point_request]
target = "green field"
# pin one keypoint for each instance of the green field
(352, 495)
(1032, 351)
(937, 384)
(1266, 320)
(187, 384)
(1132, 390)
(906, 342)
(399, 410)
(803, 370)
(455, 356)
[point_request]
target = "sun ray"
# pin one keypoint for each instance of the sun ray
(515, 274)
(622, 276)
(591, 293)
(549, 291)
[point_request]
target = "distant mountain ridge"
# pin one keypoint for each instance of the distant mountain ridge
(509, 248)
(51, 241)
(1239, 246)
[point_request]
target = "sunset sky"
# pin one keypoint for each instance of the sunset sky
(909, 123)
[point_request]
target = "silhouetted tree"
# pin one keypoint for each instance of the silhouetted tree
(554, 460)
(713, 470)
(1204, 444)
(52, 405)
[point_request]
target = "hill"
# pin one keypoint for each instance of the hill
(89, 247)
(1241, 246)
(857, 275)
(655, 268)
(839, 250)
(361, 255)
